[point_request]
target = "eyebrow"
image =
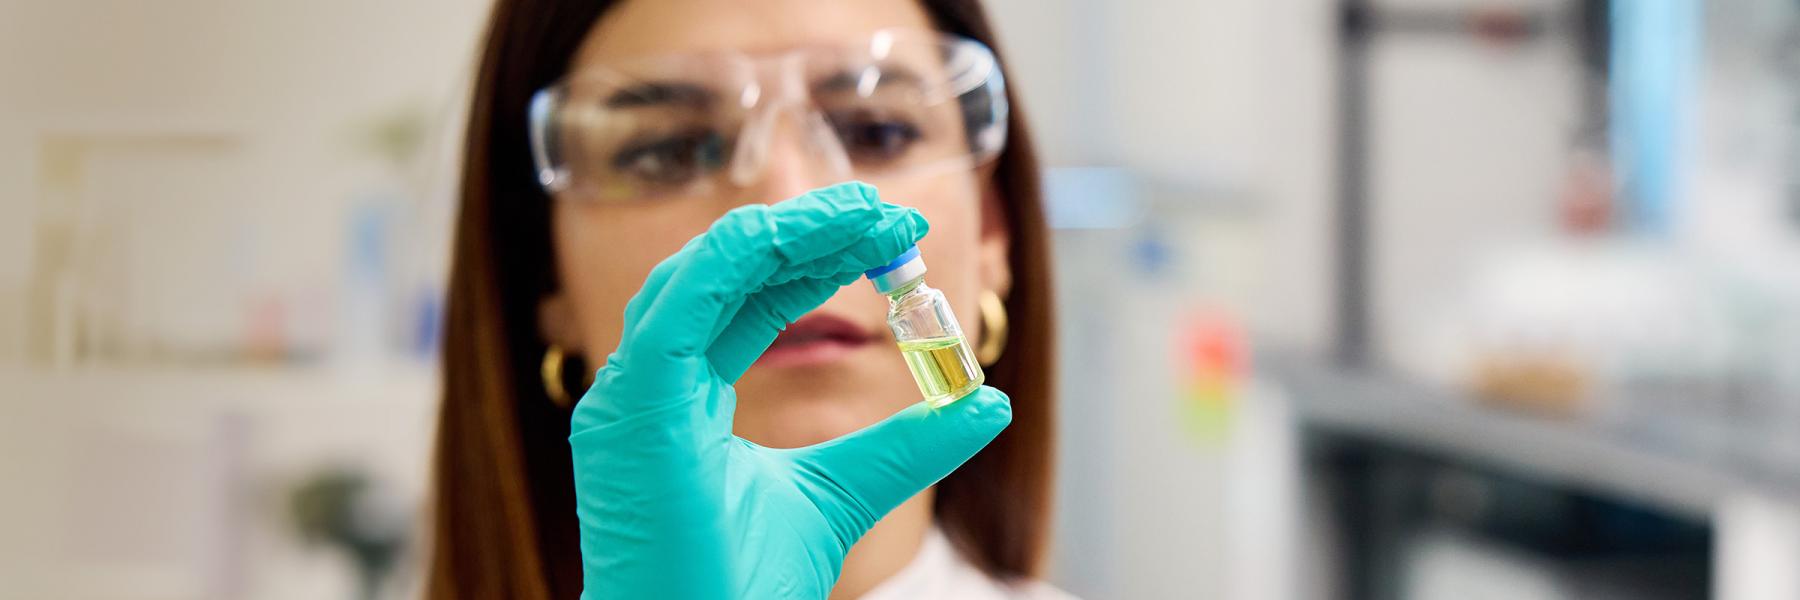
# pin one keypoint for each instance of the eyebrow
(660, 92)
(850, 79)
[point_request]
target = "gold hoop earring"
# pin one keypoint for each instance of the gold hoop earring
(552, 372)
(993, 329)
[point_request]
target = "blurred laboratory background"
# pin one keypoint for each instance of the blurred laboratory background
(1360, 299)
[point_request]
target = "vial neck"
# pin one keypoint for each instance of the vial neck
(909, 287)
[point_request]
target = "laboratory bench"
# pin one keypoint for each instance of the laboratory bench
(1410, 483)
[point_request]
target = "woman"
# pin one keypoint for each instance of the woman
(648, 122)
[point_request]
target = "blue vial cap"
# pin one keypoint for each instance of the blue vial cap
(899, 261)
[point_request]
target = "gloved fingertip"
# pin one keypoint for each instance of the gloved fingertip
(864, 190)
(846, 197)
(920, 225)
(853, 197)
(905, 221)
(888, 210)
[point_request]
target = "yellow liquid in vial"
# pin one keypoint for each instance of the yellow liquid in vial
(944, 368)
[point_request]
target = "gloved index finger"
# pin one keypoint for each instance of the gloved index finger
(753, 247)
(800, 288)
(847, 220)
(886, 239)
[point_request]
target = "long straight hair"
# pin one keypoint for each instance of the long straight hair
(504, 515)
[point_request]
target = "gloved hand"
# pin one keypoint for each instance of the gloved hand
(675, 507)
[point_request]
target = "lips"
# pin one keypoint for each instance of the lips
(815, 340)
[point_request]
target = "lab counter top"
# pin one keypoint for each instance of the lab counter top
(1582, 456)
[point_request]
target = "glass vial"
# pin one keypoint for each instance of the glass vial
(939, 355)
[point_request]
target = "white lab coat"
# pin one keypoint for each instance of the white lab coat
(940, 573)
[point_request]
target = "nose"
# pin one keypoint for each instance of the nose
(802, 154)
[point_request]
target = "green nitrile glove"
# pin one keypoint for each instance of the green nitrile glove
(675, 507)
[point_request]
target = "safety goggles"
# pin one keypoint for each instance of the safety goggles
(901, 103)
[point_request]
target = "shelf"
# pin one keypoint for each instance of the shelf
(1574, 454)
(401, 383)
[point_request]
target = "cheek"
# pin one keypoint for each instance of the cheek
(604, 254)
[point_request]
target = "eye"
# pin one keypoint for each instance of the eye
(871, 138)
(672, 159)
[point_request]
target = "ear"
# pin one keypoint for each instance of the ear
(995, 243)
(556, 323)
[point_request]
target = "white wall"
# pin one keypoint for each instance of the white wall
(1222, 102)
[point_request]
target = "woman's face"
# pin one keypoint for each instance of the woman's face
(836, 370)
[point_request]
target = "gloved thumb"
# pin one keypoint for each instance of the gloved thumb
(858, 478)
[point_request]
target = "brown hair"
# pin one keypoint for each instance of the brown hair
(504, 521)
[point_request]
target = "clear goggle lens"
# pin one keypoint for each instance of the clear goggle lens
(900, 104)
